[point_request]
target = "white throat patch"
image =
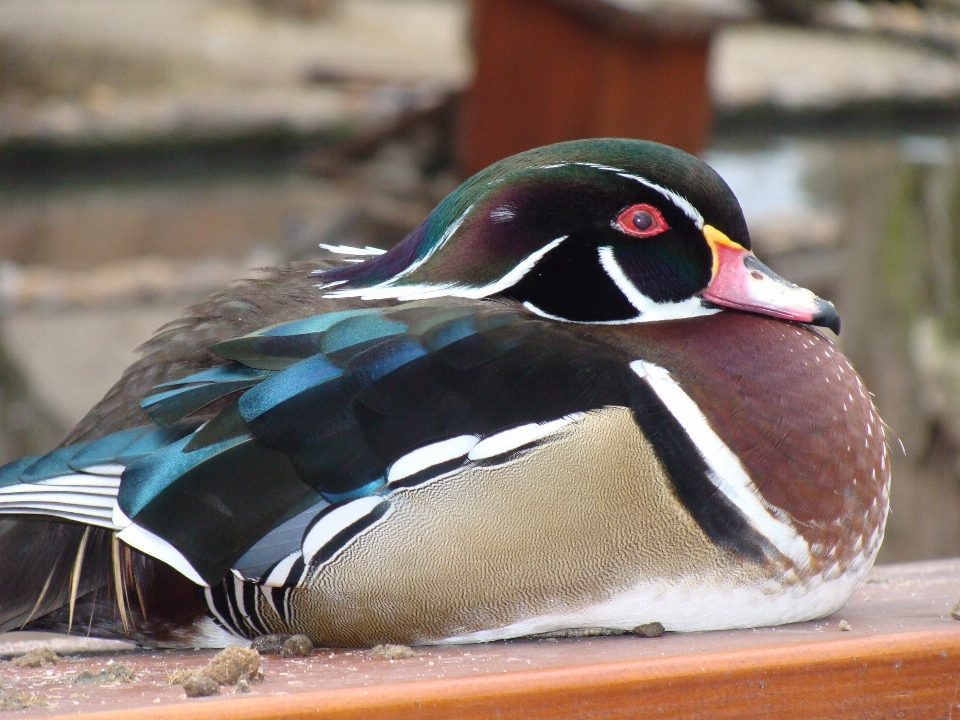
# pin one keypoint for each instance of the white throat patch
(650, 311)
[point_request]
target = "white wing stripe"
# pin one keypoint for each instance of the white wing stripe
(77, 517)
(111, 469)
(429, 455)
(60, 498)
(335, 521)
(504, 442)
(80, 482)
(279, 575)
(154, 546)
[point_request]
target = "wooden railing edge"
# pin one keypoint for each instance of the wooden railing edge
(917, 673)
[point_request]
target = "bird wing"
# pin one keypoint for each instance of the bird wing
(269, 464)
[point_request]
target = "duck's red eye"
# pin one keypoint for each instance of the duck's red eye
(641, 221)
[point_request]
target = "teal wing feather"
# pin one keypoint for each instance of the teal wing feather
(308, 416)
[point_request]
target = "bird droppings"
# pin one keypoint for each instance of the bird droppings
(270, 644)
(649, 630)
(392, 652)
(180, 676)
(200, 686)
(19, 700)
(955, 613)
(112, 673)
(38, 657)
(297, 646)
(233, 663)
(844, 626)
(284, 645)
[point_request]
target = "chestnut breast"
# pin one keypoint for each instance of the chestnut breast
(788, 403)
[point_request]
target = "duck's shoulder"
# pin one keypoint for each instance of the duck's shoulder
(277, 294)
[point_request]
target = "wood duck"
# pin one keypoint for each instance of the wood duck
(571, 398)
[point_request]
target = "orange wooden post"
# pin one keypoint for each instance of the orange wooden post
(549, 70)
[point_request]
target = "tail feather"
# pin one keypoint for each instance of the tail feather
(67, 577)
(39, 568)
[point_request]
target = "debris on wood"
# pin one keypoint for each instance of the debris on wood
(297, 646)
(112, 673)
(11, 699)
(392, 652)
(844, 625)
(270, 644)
(38, 657)
(180, 676)
(200, 686)
(233, 663)
(649, 630)
(580, 633)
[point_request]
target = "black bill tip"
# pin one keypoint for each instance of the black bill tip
(826, 316)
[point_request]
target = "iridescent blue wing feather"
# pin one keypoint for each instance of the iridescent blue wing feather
(275, 459)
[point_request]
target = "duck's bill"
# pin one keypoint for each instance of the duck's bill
(742, 282)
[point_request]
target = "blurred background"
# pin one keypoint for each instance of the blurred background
(153, 150)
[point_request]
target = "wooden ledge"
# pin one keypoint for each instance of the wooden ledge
(916, 674)
(900, 659)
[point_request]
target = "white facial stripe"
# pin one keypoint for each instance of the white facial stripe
(430, 253)
(389, 290)
(726, 472)
(383, 290)
(544, 314)
(350, 250)
(429, 456)
(681, 202)
(154, 546)
(648, 309)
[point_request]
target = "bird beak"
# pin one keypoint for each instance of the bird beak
(742, 282)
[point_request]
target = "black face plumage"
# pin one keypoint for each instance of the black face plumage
(596, 272)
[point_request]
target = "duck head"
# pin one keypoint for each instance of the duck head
(590, 231)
